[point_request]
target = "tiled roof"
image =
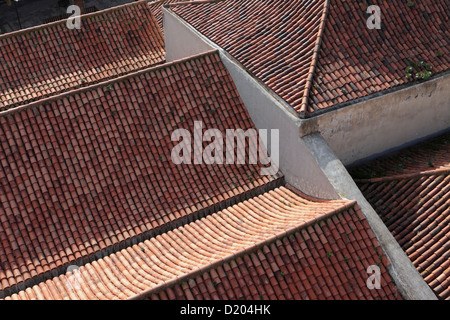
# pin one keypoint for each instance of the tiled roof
(324, 260)
(49, 59)
(416, 209)
(318, 54)
(432, 154)
(91, 170)
(355, 61)
(234, 234)
(156, 9)
(274, 40)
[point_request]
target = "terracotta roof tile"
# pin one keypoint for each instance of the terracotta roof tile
(219, 268)
(49, 59)
(275, 274)
(318, 54)
(80, 180)
(156, 9)
(362, 62)
(274, 40)
(432, 154)
(414, 205)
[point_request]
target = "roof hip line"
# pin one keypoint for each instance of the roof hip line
(312, 69)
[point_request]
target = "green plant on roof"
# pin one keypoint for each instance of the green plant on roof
(329, 254)
(108, 87)
(438, 54)
(410, 4)
(420, 70)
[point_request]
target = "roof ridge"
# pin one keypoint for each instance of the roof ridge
(103, 83)
(303, 111)
(406, 176)
(185, 2)
(44, 26)
(349, 204)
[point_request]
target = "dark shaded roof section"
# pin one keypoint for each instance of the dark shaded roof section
(326, 259)
(320, 54)
(412, 198)
(50, 59)
(432, 154)
(89, 172)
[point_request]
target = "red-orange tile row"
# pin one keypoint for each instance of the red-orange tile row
(173, 255)
(274, 40)
(90, 171)
(356, 61)
(324, 260)
(416, 208)
(49, 59)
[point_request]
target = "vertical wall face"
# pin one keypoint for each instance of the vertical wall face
(267, 111)
(377, 125)
(179, 40)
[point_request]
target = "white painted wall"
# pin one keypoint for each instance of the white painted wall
(180, 41)
(377, 125)
(266, 110)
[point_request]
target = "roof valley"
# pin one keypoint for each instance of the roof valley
(257, 246)
(127, 243)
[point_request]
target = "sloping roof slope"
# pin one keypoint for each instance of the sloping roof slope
(415, 206)
(325, 259)
(91, 170)
(355, 62)
(274, 40)
(199, 248)
(51, 58)
(319, 54)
